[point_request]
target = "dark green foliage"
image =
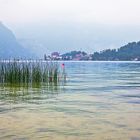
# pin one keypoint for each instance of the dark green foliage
(13, 72)
(131, 51)
(72, 54)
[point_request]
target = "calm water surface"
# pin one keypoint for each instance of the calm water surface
(99, 101)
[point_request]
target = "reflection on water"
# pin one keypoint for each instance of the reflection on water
(101, 100)
(28, 92)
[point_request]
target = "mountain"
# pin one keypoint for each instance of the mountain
(9, 46)
(34, 46)
(129, 52)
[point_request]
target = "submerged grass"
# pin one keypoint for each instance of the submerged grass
(14, 72)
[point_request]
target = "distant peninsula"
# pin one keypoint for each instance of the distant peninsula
(129, 52)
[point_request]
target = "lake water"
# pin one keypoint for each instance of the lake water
(99, 101)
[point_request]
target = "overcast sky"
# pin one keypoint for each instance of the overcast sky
(81, 23)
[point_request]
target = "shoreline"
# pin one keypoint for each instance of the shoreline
(38, 60)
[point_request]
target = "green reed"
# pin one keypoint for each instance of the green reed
(26, 72)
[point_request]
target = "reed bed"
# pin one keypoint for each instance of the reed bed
(26, 72)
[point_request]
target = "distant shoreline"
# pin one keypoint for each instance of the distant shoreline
(37, 60)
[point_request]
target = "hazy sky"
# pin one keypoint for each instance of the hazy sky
(73, 24)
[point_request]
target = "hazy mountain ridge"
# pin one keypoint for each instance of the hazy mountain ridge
(34, 46)
(9, 46)
(129, 52)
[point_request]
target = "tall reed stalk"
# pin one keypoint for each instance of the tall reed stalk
(14, 72)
